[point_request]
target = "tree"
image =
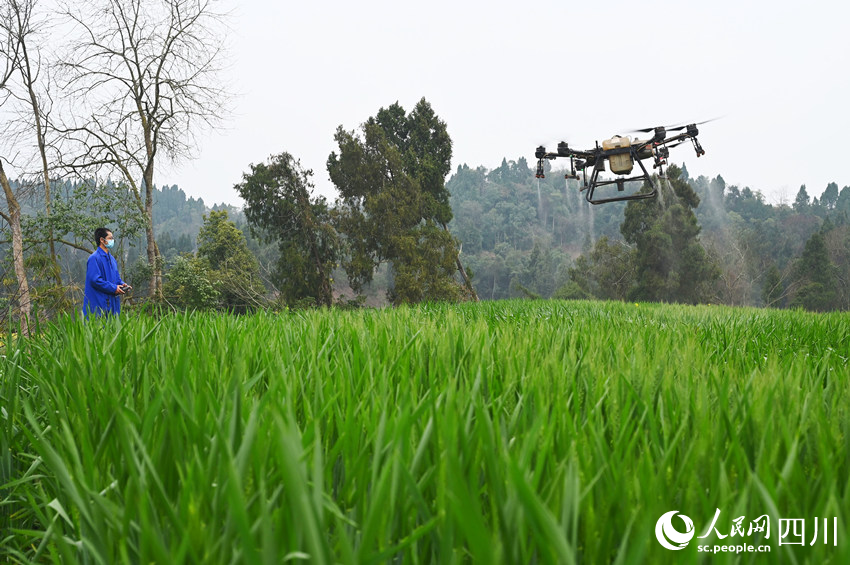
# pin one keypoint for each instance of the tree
(539, 274)
(606, 272)
(838, 246)
(280, 206)
(815, 277)
(76, 212)
(801, 202)
(18, 22)
(425, 259)
(142, 76)
(829, 198)
(842, 203)
(671, 264)
(572, 291)
(10, 47)
(189, 284)
(394, 205)
(232, 267)
(772, 291)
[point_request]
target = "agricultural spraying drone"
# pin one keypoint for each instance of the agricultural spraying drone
(622, 152)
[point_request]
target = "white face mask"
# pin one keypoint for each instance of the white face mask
(110, 243)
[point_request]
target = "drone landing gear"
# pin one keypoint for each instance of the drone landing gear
(572, 174)
(698, 147)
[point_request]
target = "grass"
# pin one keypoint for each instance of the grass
(514, 432)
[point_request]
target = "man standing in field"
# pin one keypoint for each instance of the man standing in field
(103, 284)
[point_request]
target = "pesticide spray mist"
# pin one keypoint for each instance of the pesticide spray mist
(665, 190)
(582, 208)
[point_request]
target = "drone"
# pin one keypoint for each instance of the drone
(622, 152)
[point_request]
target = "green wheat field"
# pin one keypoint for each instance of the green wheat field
(509, 432)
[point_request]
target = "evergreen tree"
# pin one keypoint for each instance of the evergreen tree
(394, 205)
(771, 290)
(606, 272)
(279, 205)
(802, 202)
(815, 277)
(842, 203)
(539, 276)
(830, 196)
(233, 269)
(671, 264)
(189, 284)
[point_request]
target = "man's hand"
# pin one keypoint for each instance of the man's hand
(119, 289)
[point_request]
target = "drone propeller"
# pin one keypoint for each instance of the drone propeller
(553, 142)
(672, 128)
(647, 130)
(554, 136)
(686, 126)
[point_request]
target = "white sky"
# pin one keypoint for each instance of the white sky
(506, 78)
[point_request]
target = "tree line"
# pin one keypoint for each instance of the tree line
(701, 240)
(389, 221)
(102, 89)
(133, 82)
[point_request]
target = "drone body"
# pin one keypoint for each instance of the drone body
(621, 153)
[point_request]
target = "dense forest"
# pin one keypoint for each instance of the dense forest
(525, 236)
(518, 237)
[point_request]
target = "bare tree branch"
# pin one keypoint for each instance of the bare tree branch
(144, 77)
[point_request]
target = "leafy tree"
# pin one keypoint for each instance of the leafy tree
(838, 246)
(77, 212)
(539, 275)
(830, 196)
(671, 264)
(279, 206)
(424, 266)
(394, 206)
(802, 201)
(772, 290)
(815, 277)
(189, 284)
(842, 203)
(718, 186)
(750, 205)
(232, 267)
(572, 291)
(607, 271)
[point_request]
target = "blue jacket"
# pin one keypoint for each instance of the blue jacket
(102, 282)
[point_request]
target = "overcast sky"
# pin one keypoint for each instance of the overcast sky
(507, 78)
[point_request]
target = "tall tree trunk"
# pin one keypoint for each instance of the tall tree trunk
(326, 297)
(466, 281)
(54, 263)
(17, 252)
(154, 258)
(26, 70)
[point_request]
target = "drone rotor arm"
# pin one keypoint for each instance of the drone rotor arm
(681, 138)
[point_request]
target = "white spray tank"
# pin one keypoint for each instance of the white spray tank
(620, 164)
